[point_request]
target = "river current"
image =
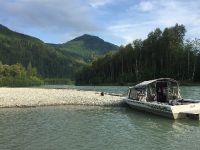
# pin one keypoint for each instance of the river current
(92, 127)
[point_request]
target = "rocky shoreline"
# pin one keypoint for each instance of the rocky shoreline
(32, 97)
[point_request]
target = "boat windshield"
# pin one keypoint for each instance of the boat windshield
(163, 91)
(173, 91)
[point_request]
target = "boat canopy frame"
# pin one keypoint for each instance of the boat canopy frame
(160, 90)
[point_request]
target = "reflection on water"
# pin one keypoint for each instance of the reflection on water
(84, 127)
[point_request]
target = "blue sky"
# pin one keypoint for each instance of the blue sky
(116, 21)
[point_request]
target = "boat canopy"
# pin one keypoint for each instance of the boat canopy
(161, 90)
(144, 84)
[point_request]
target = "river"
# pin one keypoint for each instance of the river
(92, 127)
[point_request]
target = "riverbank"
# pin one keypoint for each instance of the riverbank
(32, 97)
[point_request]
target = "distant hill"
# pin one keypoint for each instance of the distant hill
(93, 43)
(51, 60)
(87, 47)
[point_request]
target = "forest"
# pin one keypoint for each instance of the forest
(164, 53)
(55, 63)
(17, 75)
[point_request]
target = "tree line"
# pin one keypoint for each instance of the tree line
(162, 54)
(17, 75)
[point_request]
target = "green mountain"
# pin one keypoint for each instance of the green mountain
(51, 60)
(86, 47)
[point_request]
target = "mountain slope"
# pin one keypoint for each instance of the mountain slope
(87, 47)
(94, 43)
(50, 62)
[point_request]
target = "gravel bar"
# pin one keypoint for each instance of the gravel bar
(32, 97)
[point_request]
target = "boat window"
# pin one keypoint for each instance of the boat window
(173, 91)
(151, 92)
(133, 94)
(138, 94)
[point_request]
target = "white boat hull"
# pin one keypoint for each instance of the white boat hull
(173, 112)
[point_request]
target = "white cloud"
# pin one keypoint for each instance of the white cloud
(145, 6)
(50, 17)
(65, 19)
(130, 32)
(56, 15)
(177, 12)
(182, 12)
(160, 14)
(97, 3)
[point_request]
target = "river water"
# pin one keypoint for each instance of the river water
(92, 127)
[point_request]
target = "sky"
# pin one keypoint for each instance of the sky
(116, 21)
